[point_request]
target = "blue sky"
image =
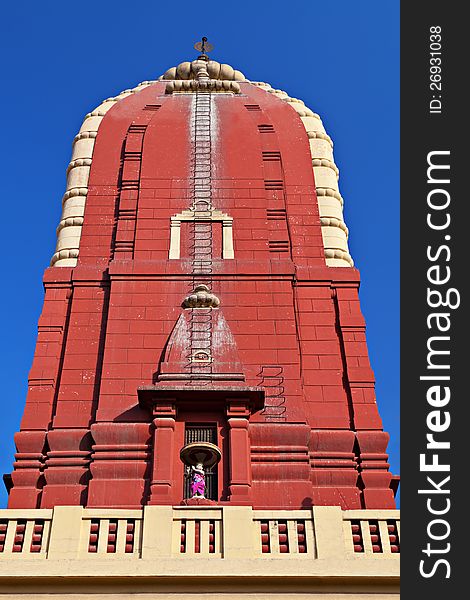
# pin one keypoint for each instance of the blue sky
(61, 59)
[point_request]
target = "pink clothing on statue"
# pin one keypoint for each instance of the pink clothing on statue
(198, 485)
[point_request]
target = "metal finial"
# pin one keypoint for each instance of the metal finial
(204, 46)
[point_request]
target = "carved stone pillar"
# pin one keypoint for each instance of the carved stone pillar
(161, 484)
(238, 412)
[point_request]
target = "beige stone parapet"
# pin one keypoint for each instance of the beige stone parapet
(222, 531)
(310, 552)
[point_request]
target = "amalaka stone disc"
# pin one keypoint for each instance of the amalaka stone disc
(200, 452)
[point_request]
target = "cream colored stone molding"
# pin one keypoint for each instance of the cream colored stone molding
(202, 75)
(330, 202)
(78, 172)
(323, 162)
(332, 222)
(209, 215)
(192, 85)
(320, 135)
(69, 222)
(189, 70)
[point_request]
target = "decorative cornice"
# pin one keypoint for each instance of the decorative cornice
(63, 255)
(70, 222)
(79, 162)
(339, 254)
(324, 162)
(331, 193)
(319, 135)
(215, 70)
(333, 222)
(85, 135)
(95, 113)
(79, 191)
(192, 85)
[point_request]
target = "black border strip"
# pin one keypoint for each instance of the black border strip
(437, 570)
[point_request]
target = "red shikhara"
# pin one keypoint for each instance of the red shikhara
(201, 302)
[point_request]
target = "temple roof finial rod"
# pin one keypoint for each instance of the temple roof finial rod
(203, 46)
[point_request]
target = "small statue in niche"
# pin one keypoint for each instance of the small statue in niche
(199, 458)
(198, 480)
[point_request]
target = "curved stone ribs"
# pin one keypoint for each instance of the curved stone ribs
(78, 172)
(326, 173)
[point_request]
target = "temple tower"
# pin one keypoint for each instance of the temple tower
(201, 308)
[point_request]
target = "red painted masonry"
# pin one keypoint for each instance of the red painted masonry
(300, 425)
